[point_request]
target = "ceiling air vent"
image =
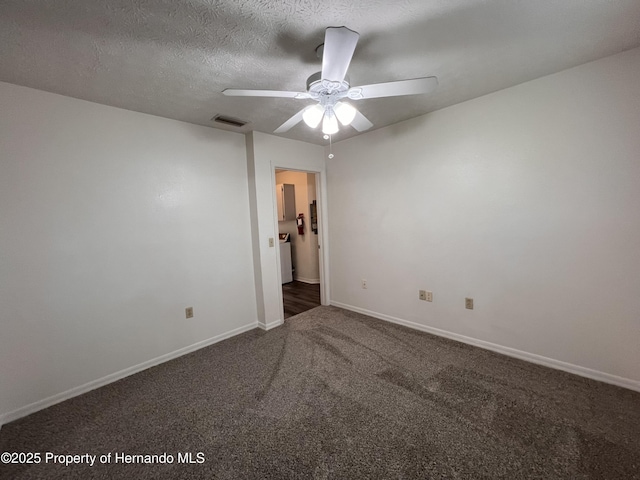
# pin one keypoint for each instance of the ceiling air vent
(231, 122)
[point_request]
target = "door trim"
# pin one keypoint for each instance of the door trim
(321, 200)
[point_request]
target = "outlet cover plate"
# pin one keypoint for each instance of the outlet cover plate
(425, 295)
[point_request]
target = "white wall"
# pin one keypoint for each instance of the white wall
(304, 247)
(268, 153)
(527, 200)
(112, 223)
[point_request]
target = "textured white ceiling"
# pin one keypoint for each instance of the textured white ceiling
(172, 58)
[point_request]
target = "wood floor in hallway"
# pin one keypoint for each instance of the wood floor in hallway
(299, 297)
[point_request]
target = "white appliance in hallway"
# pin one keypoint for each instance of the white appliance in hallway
(286, 266)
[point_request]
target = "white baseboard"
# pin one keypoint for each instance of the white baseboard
(511, 352)
(74, 392)
(313, 281)
(268, 326)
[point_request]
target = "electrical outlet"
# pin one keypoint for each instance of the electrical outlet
(188, 312)
(364, 283)
(425, 295)
(271, 242)
(468, 303)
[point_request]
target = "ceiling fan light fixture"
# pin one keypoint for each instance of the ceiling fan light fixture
(330, 85)
(313, 115)
(329, 123)
(345, 113)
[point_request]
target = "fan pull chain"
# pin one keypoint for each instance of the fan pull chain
(330, 146)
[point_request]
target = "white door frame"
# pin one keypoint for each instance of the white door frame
(323, 253)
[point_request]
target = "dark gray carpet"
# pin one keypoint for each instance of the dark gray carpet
(335, 394)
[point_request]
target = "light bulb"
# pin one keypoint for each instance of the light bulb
(345, 113)
(329, 123)
(312, 115)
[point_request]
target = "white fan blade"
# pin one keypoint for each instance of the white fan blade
(360, 122)
(394, 89)
(233, 92)
(339, 45)
(292, 122)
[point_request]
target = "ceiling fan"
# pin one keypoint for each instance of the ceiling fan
(331, 86)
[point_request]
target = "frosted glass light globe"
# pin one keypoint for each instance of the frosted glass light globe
(312, 115)
(345, 113)
(329, 123)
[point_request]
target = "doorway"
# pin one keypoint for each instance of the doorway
(297, 201)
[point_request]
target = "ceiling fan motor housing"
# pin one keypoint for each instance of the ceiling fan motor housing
(316, 85)
(327, 92)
